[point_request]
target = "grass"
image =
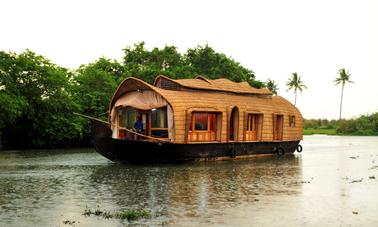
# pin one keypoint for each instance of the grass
(129, 214)
(312, 131)
(333, 132)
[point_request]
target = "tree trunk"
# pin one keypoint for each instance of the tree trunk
(295, 100)
(341, 101)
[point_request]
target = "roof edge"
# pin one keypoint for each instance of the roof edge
(265, 91)
(203, 78)
(114, 97)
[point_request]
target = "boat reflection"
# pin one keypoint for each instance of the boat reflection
(199, 188)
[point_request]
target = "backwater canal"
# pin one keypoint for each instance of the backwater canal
(333, 182)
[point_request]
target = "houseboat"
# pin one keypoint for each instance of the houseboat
(195, 119)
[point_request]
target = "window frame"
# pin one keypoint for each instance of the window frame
(292, 121)
(208, 128)
(257, 124)
(214, 127)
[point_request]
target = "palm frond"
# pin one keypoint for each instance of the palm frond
(343, 77)
(295, 82)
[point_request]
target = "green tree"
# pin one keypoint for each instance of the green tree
(11, 102)
(272, 86)
(95, 84)
(202, 60)
(36, 106)
(146, 65)
(207, 62)
(295, 83)
(343, 77)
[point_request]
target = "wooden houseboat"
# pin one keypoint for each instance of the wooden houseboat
(196, 119)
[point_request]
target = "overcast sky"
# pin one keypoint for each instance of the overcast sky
(273, 38)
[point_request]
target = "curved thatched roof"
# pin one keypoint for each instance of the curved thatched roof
(128, 85)
(200, 98)
(222, 84)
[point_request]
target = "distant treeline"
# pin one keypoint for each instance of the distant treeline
(363, 125)
(38, 98)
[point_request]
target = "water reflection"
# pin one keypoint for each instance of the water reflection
(199, 189)
(46, 188)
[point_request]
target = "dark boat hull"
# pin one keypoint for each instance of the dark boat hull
(136, 151)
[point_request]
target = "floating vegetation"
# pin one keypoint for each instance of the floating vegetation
(87, 212)
(301, 182)
(129, 214)
(132, 214)
(357, 181)
(373, 167)
(372, 177)
(69, 222)
(354, 157)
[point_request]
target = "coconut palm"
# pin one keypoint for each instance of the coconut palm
(272, 86)
(344, 77)
(296, 84)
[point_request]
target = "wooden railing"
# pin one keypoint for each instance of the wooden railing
(250, 135)
(124, 133)
(202, 136)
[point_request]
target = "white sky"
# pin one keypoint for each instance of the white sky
(273, 38)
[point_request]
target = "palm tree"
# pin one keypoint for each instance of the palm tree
(296, 83)
(344, 77)
(272, 86)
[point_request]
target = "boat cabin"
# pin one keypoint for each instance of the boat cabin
(200, 110)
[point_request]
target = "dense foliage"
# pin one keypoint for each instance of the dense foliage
(363, 125)
(38, 98)
(202, 60)
(36, 102)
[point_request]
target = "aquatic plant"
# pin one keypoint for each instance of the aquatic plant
(132, 214)
(87, 212)
(69, 222)
(129, 214)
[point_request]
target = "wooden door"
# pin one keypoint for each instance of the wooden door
(278, 127)
(234, 123)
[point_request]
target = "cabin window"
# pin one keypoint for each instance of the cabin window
(159, 118)
(203, 127)
(122, 118)
(126, 119)
(292, 121)
(254, 127)
(200, 121)
(130, 118)
(121, 123)
(159, 122)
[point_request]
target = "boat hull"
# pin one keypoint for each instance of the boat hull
(139, 151)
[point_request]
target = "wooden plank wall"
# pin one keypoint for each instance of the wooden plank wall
(182, 101)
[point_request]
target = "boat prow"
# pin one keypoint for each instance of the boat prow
(102, 141)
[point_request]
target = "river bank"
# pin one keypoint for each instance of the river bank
(334, 132)
(364, 125)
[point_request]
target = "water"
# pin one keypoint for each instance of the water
(330, 183)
